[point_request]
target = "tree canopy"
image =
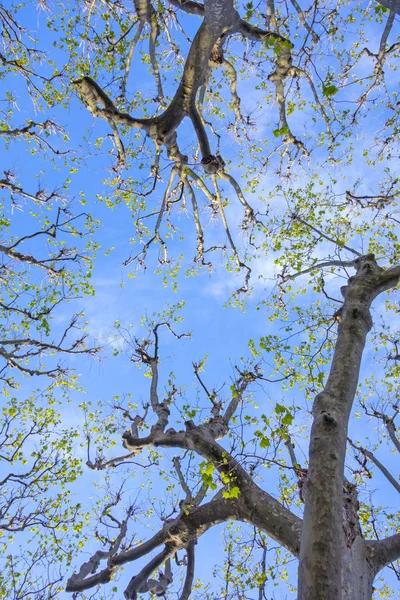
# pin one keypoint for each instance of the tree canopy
(206, 192)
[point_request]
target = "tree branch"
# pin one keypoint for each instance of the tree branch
(187, 586)
(383, 552)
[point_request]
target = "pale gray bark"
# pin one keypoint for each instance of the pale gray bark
(322, 557)
(391, 429)
(358, 575)
(383, 552)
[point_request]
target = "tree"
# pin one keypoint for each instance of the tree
(46, 256)
(316, 223)
(334, 556)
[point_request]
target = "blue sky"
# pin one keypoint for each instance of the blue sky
(220, 332)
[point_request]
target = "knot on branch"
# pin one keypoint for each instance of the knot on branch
(190, 426)
(283, 65)
(301, 480)
(130, 442)
(367, 265)
(216, 55)
(329, 420)
(351, 505)
(212, 164)
(164, 406)
(339, 313)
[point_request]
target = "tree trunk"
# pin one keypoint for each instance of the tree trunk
(357, 573)
(358, 569)
(334, 559)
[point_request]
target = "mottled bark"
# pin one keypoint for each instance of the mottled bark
(323, 567)
(357, 573)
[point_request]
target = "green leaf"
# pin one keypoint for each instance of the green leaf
(329, 90)
(231, 493)
(281, 132)
(287, 419)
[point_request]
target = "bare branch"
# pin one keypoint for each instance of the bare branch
(377, 463)
(383, 552)
(187, 586)
(90, 567)
(377, 201)
(232, 245)
(129, 58)
(321, 265)
(141, 583)
(325, 236)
